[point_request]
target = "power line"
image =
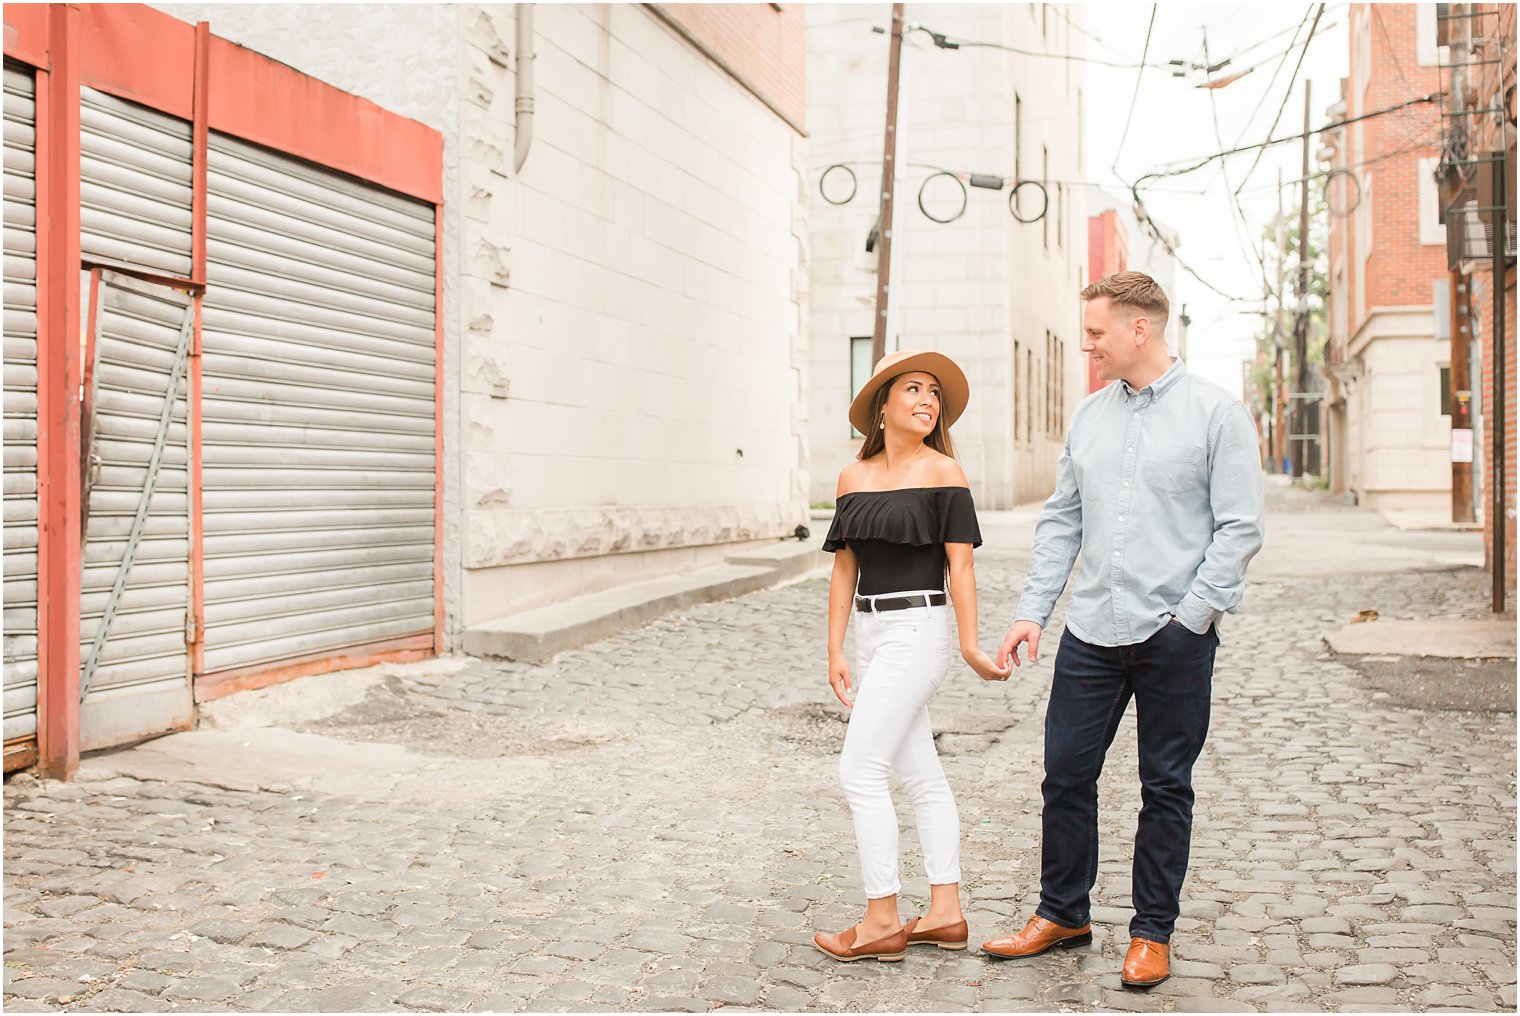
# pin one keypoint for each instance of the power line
(1246, 124)
(1302, 53)
(1238, 219)
(1207, 159)
(1135, 95)
(944, 41)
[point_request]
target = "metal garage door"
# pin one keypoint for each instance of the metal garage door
(135, 201)
(20, 618)
(134, 594)
(317, 407)
(134, 188)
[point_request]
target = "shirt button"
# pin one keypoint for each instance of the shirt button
(1126, 483)
(1121, 518)
(1116, 589)
(1116, 553)
(1130, 449)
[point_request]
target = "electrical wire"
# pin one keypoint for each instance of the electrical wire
(1208, 159)
(1288, 93)
(1135, 95)
(1238, 220)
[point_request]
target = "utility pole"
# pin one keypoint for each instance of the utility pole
(1279, 445)
(1499, 203)
(1298, 439)
(888, 188)
(1460, 398)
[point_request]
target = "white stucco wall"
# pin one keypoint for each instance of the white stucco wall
(1399, 449)
(625, 341)
(970, 288)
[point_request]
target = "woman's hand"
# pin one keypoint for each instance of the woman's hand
(839, 678)
(980, 662)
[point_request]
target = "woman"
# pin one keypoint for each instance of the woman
(903, 519)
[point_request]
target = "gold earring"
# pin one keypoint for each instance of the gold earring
(883, 423)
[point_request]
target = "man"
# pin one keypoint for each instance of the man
(1160, 489)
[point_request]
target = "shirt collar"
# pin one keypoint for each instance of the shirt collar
(1158, 387)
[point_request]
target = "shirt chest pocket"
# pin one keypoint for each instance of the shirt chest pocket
(1174, 468)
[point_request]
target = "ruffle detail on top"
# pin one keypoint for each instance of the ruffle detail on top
(915, 516)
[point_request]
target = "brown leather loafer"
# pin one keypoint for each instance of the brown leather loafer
(841, 945)
(1038, 936)
(1146, 965)
(951, 936)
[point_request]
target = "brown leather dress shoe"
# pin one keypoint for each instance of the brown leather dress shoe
(1146, 965)
(841, 945)
(1038, 936)
(951, 936)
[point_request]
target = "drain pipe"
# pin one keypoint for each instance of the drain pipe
(523, 122)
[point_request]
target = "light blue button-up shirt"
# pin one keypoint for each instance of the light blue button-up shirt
(1161, 491)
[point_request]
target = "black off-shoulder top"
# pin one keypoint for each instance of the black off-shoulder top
(899, 536)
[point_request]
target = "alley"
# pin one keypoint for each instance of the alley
(653, 823)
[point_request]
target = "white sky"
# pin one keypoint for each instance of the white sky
(1173, 121)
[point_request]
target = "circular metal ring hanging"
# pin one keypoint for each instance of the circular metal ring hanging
(925, 185)
(1341, 213)
(823, 179)
(1013, 200)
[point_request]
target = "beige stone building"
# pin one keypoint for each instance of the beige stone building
(625, 347)
(997, 294)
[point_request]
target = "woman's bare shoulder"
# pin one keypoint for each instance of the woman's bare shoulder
(947, 472)
(853, 477)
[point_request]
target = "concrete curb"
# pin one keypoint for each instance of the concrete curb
(1457, 640)
(535, 636)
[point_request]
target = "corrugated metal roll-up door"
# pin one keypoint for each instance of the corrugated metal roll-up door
(134, 186)
(136, 678)
(318, 430)
(20, 617)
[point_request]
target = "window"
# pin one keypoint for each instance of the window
(1018, 138)
(1018, 390)
(1061, 216)
(860, 369)
(1081, 149)
(1445, 391)
(1029, 402)
(1045, 182)
(1431, 230)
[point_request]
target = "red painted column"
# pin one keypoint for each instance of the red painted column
(58, 411)
(200, 134)
(438, 603)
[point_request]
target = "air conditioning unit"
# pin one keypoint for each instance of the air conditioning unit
(1470, 229)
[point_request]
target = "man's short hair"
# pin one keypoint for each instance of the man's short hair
(1135, 291)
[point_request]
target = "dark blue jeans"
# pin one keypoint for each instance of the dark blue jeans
(1169, 675)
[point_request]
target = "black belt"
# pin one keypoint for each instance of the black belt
(870, 604)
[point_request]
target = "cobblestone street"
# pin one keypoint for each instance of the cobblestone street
(654, 823)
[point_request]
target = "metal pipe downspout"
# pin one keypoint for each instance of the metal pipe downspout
(523, 110)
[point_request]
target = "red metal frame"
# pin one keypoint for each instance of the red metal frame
(87, 388)
(26, 33)
(438, 611)
(58, 378)
(200, 135)
(400, 650)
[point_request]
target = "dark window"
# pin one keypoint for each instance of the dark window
(860, 368)
(1445, 391)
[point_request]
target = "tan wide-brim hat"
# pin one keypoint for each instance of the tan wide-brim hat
(954, 392)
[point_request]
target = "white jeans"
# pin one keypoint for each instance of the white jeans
(902, 657)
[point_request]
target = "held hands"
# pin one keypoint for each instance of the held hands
(1021, 632)
(980, 662)
(839, 679)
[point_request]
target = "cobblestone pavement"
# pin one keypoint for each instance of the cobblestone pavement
(672, 833)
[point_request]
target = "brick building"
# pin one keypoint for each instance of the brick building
(1387, 357)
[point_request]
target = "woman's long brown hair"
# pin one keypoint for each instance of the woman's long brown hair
(876, 438)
